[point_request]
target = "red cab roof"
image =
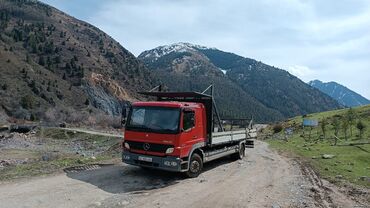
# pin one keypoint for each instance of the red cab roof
(173, 104)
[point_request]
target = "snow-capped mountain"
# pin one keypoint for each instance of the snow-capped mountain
(167, 49)
(340, 93)
(245, 87)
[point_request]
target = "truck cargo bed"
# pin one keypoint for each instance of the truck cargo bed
(227, 137)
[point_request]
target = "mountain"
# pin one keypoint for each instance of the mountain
(181, 67)
(340, 93)
(184, 65)
(56, 67)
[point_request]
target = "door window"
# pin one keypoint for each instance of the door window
(189, 120)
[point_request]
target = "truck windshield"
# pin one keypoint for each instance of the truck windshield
(154, 119)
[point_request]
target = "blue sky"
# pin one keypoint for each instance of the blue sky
(327, 40)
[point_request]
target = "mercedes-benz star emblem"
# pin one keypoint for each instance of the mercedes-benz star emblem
(146, 146)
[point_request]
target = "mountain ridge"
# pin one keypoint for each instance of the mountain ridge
(341, 93)
(272, 87)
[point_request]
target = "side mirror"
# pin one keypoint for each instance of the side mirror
(124, 112)
(124, 115)
(192, 121)
(123, 121)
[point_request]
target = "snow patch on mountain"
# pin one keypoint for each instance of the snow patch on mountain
(173, 48)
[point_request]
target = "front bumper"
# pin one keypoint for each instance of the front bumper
(165, 163)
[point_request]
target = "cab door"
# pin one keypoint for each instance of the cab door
(189, 129)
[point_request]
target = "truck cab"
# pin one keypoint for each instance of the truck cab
(166, 131)
(174, 133)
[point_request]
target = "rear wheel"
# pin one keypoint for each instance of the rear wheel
(241, 154)
(195, 166)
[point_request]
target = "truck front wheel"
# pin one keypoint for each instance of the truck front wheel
(195, 166)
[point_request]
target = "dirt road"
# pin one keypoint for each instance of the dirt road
(262, 179)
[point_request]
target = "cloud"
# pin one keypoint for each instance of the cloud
(302, 72)
(327, 40)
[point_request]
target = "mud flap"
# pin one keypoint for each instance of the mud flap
(249, 143)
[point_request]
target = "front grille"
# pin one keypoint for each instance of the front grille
(161, 148)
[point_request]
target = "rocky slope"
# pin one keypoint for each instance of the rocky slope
(270, 87)
(55, 67)
(340, 93)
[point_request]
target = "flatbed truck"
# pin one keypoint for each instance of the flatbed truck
(176, 133)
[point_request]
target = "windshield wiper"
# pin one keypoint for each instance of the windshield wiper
(139, 127)
(168, 130)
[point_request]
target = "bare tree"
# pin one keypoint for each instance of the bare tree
(345, 126)
(323, 125)
(336, 126)
(351, 116)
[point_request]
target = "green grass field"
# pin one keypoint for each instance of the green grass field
(350, 163)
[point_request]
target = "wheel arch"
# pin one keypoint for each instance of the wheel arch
(196, 149)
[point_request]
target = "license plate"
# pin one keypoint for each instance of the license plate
(146, 159)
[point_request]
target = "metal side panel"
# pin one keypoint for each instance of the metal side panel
(227, 137)
(238, 136)
(221, 139)
(213, 155)
(216, 134)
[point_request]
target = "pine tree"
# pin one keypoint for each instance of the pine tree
(42, 60)
(28, 59)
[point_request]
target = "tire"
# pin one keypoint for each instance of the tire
(195, 166)
(241, 154)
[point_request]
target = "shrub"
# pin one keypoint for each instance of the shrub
(27, 102)
(361, 127)
(277, 128)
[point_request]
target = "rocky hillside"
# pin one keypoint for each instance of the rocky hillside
(340, 93)
(184, 65)
(55, 67)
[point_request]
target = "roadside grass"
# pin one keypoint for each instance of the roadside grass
(350, 163)
(52, 139)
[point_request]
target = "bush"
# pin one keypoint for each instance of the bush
(27, 102)
(277, 128)
(361, 127)
(4, 87)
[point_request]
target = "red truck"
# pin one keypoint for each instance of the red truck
(176, 133)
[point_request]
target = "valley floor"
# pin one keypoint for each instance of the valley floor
(263, 179)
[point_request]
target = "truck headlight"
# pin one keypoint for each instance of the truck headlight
(169, 150)
(127, 146)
